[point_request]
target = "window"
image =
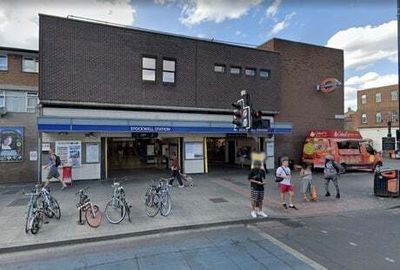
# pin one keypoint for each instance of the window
(395, 116)
(395, 95)
(168, 75)
(3, 62)
(378, 97)
(364, 99)
(378, 117)
(265, 73)
(18, 101)
(250, 72)
(364, 119)
(149, 69)
(219, 68)
(235, 70)
(30, 64)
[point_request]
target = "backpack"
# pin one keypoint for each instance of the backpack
(58, 161)
(330, 169)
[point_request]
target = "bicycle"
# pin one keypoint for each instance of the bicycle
(50, 205)
(34, 214)
(92, 211)
(158, 199)
(117, 208)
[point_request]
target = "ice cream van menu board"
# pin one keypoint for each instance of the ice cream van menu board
(70, 152)
(12, 143)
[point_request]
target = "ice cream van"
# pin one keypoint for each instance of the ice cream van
(347, 147)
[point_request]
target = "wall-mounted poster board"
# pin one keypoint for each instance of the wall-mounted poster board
(12, 143)
(70, 152)
(92, 153)
(194, 150)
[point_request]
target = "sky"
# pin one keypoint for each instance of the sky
(365, 29)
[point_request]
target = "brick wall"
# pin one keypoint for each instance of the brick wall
(304, 66)
(14, 74)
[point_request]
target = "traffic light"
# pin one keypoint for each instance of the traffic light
(237, 113)
(257, 121)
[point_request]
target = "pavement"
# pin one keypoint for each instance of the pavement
(218, 198)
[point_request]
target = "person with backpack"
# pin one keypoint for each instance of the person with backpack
(54, 163)
(331, 171)
(283, 177)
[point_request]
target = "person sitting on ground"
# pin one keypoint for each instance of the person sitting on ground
(285, 186)
(256, 178)
(306, 180)
(175, 168)
(331, 171)
(54, 163)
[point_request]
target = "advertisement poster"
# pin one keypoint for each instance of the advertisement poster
(194, 151)
(12, 143)
(69, 152)
(92, 153)
(33, 156)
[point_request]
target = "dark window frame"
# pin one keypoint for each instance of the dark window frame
(143, 68)
(250, 68)
(7, 66)
(235, 74)
(168, 71)
(265, 70)
(219, 65)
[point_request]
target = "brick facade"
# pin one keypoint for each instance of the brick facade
(14, 74)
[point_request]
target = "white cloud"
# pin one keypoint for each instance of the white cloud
(366, 45)
(273, 8)
(278, 27)
(19, 20)
(199, 11)
(368, 80)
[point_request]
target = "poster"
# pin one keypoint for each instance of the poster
(270, 149)
(92, 153)
(69, 152)
(194, 150)
(45, 147)
(12, 143)
(33, 156)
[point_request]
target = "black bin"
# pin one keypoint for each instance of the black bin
(386, 183)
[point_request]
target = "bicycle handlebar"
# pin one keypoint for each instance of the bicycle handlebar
(82, 190)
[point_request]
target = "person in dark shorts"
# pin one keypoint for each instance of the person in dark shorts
(256, 178)
(53, 170)
(176, 174)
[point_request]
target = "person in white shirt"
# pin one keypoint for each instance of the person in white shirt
(283, 175)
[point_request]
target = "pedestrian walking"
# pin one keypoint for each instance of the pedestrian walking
(306, 181)
(256, 178)
(175, 169)
(331, 172)
(283, 176)
(52, 165)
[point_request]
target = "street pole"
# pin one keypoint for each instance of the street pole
(398, 57)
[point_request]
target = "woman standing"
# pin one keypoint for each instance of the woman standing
(306, 181)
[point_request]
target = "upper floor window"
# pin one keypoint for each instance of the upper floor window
(364, 118)
(364, 99)
(378, 117)
(378, 97)
(265, 73)
(219, 68)
(395, 116)
(169, 68)
(395, 95)
(250, 72)
(149, 69)
(235, 70)
(18, 101)
(30, 64)
(3, 62)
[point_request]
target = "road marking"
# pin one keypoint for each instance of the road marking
(353, 244)
(389, 260)
(325, 232)
(313, 264)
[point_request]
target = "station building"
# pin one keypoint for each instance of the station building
(116, 98)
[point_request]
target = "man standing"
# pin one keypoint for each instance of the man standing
(256, 178)
(53, 164)
(331, 172)
(283, 173)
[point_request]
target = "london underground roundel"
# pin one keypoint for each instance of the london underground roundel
(329, 85)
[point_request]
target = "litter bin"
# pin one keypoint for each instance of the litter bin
(386, 183)
(67, 174)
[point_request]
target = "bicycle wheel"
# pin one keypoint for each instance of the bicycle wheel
(151, 203)
(36, 223)
(29, 218)
(47, 210)
(115, 211)
(56, 208)
(93, 216)
(166, 205)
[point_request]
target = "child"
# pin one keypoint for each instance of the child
(285, 186)
(256, 178)
(306, 181)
